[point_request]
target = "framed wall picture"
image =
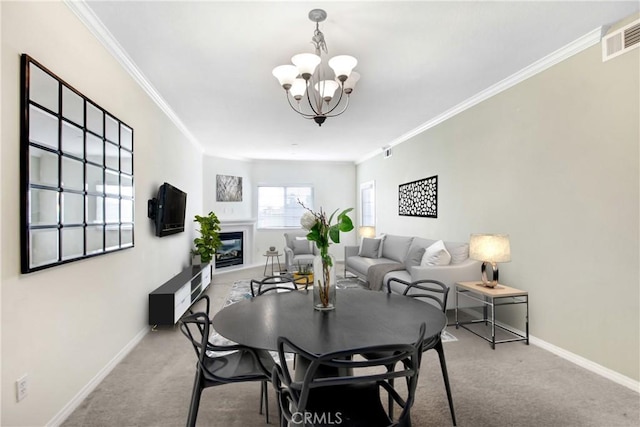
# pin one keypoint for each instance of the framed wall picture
(228, 188)
(419, 198)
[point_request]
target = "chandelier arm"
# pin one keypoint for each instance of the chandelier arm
(299, 111)
(343, 110)
(336, 105)
(316, 112)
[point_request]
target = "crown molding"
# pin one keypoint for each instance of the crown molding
(577, 46)
(97, 28)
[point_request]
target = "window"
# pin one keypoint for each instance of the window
(278, 207)
(368, 204)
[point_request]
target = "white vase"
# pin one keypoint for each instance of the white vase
(324, 284)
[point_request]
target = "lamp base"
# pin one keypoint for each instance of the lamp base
(485, 281)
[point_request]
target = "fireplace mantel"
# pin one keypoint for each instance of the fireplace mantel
(237, 222)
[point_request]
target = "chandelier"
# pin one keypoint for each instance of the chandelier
(305, 77)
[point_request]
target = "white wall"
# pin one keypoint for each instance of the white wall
(333, 183)
(63, 325)
(213, 166)
(554, 162)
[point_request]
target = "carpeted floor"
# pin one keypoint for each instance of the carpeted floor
(514, 385)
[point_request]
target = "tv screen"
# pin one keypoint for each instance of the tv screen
(170, 209)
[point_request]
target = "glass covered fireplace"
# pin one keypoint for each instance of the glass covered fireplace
(230, 253)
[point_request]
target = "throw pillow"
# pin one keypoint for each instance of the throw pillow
(459, 253)
(369, 247)
(380, 238)
(414, 258)
(302, 247)
(436, 254)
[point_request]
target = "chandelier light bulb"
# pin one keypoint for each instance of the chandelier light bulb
(306, 63)
(350, 83)
(342, 66)
(298, 88)
(326, 89)
(286, 75)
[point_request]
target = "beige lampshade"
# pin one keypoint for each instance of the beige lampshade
(490, 247)
(367, 231)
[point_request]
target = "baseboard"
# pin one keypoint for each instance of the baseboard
(68, 409)
(587, 364)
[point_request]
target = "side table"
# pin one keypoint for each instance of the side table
(271, 256)
(492, 298)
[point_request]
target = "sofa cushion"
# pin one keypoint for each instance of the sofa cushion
(362, 264)
(302, 247)
(369, 247)
(414, 257)
(459, 251)
(436, 254)
(396, 247)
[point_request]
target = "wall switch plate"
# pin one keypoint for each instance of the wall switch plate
(21, 388)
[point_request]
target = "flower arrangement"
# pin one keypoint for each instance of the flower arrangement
(322, 232)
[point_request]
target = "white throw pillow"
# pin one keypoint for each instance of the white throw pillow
(436, 254)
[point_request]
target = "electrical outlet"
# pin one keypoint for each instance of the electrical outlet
(21, 388)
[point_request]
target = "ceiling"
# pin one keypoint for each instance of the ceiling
(211, 63)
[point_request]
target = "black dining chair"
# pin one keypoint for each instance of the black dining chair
(222, 364)
(353, 399)
(272, 284)
(436, 293)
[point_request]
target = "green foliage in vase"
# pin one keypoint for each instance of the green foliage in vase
(209, 240)
(322, 232)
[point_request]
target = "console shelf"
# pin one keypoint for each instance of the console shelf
(170, 301)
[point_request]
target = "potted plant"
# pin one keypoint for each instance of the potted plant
(209, 240)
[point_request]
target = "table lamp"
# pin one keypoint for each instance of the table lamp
(490, 248)
(367, 231)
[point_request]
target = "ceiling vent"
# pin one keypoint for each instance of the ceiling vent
(621, 41)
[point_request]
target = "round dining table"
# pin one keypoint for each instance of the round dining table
(362, 318)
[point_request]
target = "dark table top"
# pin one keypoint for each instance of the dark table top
(361, 319)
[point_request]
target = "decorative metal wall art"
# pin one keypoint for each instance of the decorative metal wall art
(77, 193)
(228, 188)
(419, 198)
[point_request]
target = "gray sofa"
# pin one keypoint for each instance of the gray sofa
(402, 256)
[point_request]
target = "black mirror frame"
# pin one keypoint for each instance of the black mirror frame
(113, 206)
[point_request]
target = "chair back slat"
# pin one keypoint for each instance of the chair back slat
(272, 284)
(296, 394)
(432, 290)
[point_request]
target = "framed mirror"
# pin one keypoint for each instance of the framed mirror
(77, 191)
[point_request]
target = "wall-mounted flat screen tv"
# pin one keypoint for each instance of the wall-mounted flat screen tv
(168, 210)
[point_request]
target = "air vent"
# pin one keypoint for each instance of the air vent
(621, 41)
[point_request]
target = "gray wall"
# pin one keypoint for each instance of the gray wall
(554, 162)
(64, 326)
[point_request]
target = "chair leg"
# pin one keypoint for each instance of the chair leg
(389, 369)
(195, 400)
(264, 399)
(443, 365)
